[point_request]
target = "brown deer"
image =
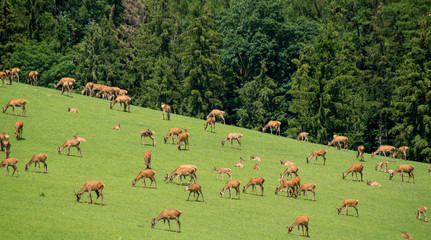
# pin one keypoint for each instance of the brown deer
(374, 184)
(32, 78)
(297, 181)
(3, 136)
(106, 91)
(88, 89)
(194, 188)
(406, 236)
(360, 153)
(168, 214)
(240, 163)
(147, 173)
(16, 103)
(287, 163)
(37, 159)
(256, 166)
(211, 121)
(147, 133)
(305, 188)
(290, 170)
(123, 99)
(273, 124)
(70, 143)
(116, 127)
(422, 210)
(253, 158)
(254, 182)
(3, 76)
(171, 133)
(122, 92)
(89, 186)
(6, 144)
(19, 125)
(9, 162)
(383, 149)
(79, 138)
(72, 110)
(216, 112)
(66, 83)
(222, 171)
(402, 149)
(300, 221)
(182, 172)
(96, 87)
(355, 168)
(288, 185)
(381, 164)
(8, 76)
(349, 203)
(404, 168)
(231, 136)
(303, 136)
(15, 73)
(232, 184)
(339, 139)
(316, 153)
(147, 157)
(183, 137)
(166, 109)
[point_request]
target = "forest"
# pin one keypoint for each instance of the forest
(358, 68)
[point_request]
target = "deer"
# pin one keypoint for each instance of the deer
(15, 73)
(216, 112)
(383, 149)
(316, 153)
(89, 186)
(253, 158)
(166, 109)
(3, 136)
(147, 157)
(374, 184)
(381, 164)
(290, 170)
(147, 133)
(88, 89)
(37, 159)
(349, 203)
(406, 235)
(70, 143)
(254, 182)
(96, 87)
(79, 138)
(124, 99)
(32, 78)
(297, 182)
(288, 185)
(300, 221)
(147, 173)
(256, 166)
(19, 125)
(168, 214)
(402, 149)
(404, 168)
(194, 188)
(72, 110)
(9, 162)
(422, 210)
(105, 91)
(273, 124)
(210, 120)
(182, 172)
(240, 163)
(287, 163)
(122, 92)
(305, 188)
(6, 144)
(339, 139)
(231, 136)
(8, 73)
(355, 168)
(16, 103)
(222, 171)
(116, 127)
(66, 83)
(171, 133)
(3, 76)
(232, 184)
(303, 136)
(183, 137)
(360, 153)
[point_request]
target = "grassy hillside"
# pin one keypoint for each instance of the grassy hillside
(42, 206)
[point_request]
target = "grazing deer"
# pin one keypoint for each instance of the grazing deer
(6, 144)
(15, 73)
(221, 171)
(287, 163)
(147, 173)
(288, 185)
(70, 143)
(147, 133)
(79, 138)
(290, 170)
(402, 149)
(239, 164)
(194, 188)
(72, 110)
(422, 210)
(19, 125)
(211, 121)
(303, 136)
(168, 214)
(88, 89)
(116, 127)
(8, 76)
(183, 137)
(231, 136)
(318, 152)
(297, 182)
(96, 87)
(3, 136)
(355, 168)
(305, 188)
(66, 83)
(216, 112)
(406, 236)
(349, 203)
(253, 158)
(166, 109)
(254, 182)
(171, 133)
(106, 91)
(381, 164)
(273, 124)
(300, 221)
(89, 186)
(147, 157)
(404, 168)
(256, 166)
(37, 159)
(16, 103)
(232, 184)
(182, 172)
(32, 78)
(123, 99)
(360, 153)
(339, 139)
(383, 149)
(3, 76)
(122, 92)
(374, 184)
(9, 162)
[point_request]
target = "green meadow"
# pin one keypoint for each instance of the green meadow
(43, 206)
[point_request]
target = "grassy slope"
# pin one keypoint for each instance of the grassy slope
(116, 157)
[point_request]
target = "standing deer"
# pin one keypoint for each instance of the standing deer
(216, 112)
(210, 120)
(9, 162)
(168, 214)
(290, 170)
(15, 73)
(66, 83)
(32, 78)
(349, 203)
(383, 149)
(300, 221)
(361, 151)
(183, 137)
(166, 109)
(18, 129)
(123, 99)
(2, 76)
(254, 182)
(171, 133)
(305, 188)
(89, 186)
(381, 164)
(147, 133)
(88, 89)
(288, 185)
(194, 188)
(70, 143)
(404, 168)
(339, 139)
(232, 184)
(8, 76)
(303, 136)
(221, 171)
(147, 173)
(16, 103)
(273, 124)
(402, 149)
(6, 144)
(317, 152)
(422, 210)
(147, 157)
(355, 168)
(37, 159)
(231, 136)
(3, 136)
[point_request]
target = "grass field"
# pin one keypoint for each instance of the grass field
(43, 206)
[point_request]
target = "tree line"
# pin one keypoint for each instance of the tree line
(359, 68)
